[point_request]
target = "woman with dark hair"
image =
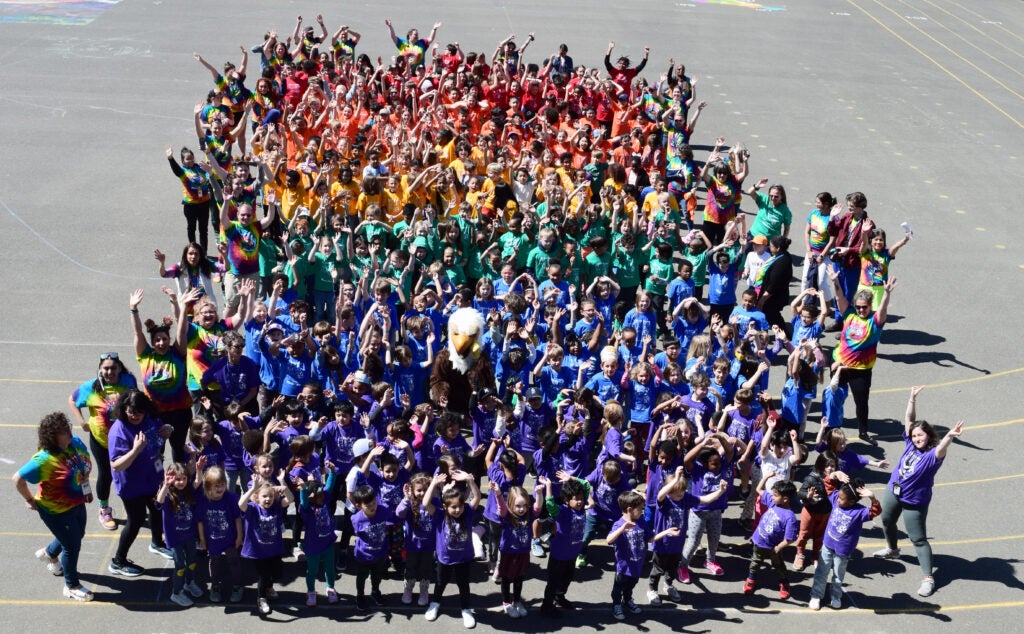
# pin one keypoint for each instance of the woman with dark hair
(196, 193)
(162, 362)
(772, 282)
(61, 469)
(858, 345)
(193, 270)
(99, 395)
(773, 215)
(909, 491)
(136, 447)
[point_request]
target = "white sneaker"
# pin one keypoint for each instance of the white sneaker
(887, 553)
(510, 610)
(837, 603)
(927, 587)
(468, 619)
(52, 565)
(653, 598)
(80, 593)
(263, 605)
(180, 598)
(814, 604)
(431, 613)
(672, 593)
(194, 589)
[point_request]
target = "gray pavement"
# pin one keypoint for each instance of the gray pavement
(917, 103)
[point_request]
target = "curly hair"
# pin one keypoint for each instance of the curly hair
(51, 426)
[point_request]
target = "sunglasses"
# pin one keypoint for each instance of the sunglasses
(104, 356)
(861, 307)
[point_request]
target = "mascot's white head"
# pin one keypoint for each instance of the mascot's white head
(465, 327)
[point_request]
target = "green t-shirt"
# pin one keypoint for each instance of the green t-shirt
(538, 259)
(664, 271)
(626, 268)
(700, 267)
(770, 219)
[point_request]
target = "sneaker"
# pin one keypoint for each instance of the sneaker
(180, 598)
(52, 565)
(125, 568)
(376, 599)
(163, 551)
(494, 575)
(581, 562)
(799, 563)
(78, 593)
(887, 553)
(672, 593)
(362, 604)
(744, 493)
(653, 598)
(564, 603)
(927, 587)
(537, 550)
(714, 568)
(271, 593)
(407, 593)
(866, 437)
(749, 585)
(683, 573)
(214, 595)
(332, 595)
(431, 613)
(632, 607)
(618, 613)
(194, 589)
(521, 610)
(783, 591)
(310, 599)
(424, 595)
(107, 518)
(510, 610)
(263, 606)
(298, 553)
(236, 594)
(549, 611)
(468, 619)
(837, 603)
(814, 604)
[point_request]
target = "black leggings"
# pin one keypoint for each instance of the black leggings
(103, 476)
(446, 574)
(860, 387)
(374, 570)
(180, 420)
(512, 590)
(560, 572)
(197, 216)
(269, 570)
(135, 510)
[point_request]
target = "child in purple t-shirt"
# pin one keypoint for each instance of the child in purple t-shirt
(453, 528)
(264, 534)
(516, 518)
(176, 500)
(505, 472)
(315, 499)
(370, 526)
(777, 529)
(569, 519)
(630, 536)
(841, 536)
(220, 534)
(606, 484)
(419, 536)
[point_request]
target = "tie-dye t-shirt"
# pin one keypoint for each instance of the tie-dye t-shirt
(817, 223)
(101, 404)
(858, 342)
(60, 476)
(676, 139)
(195, 185)
(164, 379)
(204, 347)
(243, 247)
(412, 51)
(723, 200)
(874, 268)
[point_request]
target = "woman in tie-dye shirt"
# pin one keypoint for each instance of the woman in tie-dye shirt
(858, 345)
(61, 468)
(411, 47)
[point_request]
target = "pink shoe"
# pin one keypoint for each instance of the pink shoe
(683, 573)
(714, 568)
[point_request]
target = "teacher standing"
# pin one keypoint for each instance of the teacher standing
(61, 468)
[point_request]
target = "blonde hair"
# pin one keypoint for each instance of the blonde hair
(609, 354)
(700, 346)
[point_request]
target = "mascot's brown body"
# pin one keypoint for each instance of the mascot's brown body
(462, 364)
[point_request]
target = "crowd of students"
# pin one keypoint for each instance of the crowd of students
(360, 207)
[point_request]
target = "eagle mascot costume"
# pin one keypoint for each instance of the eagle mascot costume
(463, 364)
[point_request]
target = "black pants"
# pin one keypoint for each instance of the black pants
(664, 565)
(560, 572)
(197, 215)
(103, 476)
(860, 387)
(622, 588)
(714, 231)
(454, 572)
(269, 571)
(493, 539)
(374, 570)
(180, 420)
(135, 510)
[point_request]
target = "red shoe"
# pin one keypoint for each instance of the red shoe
(783, 590)
(749, 585)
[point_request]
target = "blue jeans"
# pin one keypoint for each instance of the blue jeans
(828, 560)
(590, 529)
(68, 529)
(184, 564)
(323, 305)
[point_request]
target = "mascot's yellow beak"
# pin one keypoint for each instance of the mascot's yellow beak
(463, 343)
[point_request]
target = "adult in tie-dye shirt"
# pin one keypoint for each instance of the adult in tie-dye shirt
(858, 345)
(411, 47)
(99, 395)
(725, 190)
(204, 338)
(242, 237)
(162, 362)
(61, 469)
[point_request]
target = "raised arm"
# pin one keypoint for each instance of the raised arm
(947, 440)
(139, 336)
(911, 415)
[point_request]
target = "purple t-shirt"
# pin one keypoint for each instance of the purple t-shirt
(703, 481)
(264, 531)
(372, 534)
(631, 547)
(567, 542)
(516, 534)
(531, 422)
(483, 425)
(389, 494)
(575, 454)
(612, 447)
(179, 524)
(606, 496)
(671, 513)
(453, 540)
(844, 525)
(548, 467)
(338, 441)
(776, 526)
(914, 473)
(497, 475)
(458, 448)
(146, 473)
(318, 520)
(231, 442)
(218, 520)
(419, 527)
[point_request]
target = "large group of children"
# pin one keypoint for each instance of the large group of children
(564, 204)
